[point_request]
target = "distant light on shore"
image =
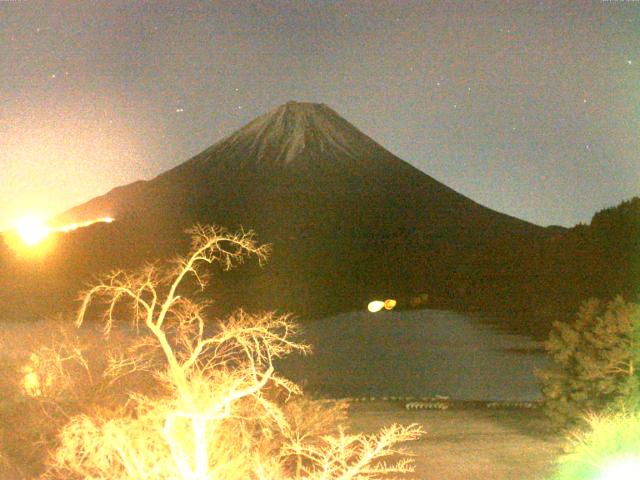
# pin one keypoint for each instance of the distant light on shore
(375, 306)
(390, 304)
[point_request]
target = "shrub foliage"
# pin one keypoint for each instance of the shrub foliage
(596, 362)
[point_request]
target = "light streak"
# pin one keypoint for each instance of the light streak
(33, 230)
(74, 226)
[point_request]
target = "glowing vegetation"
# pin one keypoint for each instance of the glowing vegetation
(212, 406)
(610, 450)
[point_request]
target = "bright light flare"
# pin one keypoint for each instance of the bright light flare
(375, 306)
(32, 230)
(627, 468)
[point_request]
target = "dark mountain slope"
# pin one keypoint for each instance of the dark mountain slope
(348, 220)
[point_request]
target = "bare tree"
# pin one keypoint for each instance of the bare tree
(218, 415)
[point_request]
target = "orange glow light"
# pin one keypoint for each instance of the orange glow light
(389, 304)
(32, 230)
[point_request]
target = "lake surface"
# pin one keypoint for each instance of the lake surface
(419, 353)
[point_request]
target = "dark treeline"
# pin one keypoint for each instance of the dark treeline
(548, 280)
(529, 283)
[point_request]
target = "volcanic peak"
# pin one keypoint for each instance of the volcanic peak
(298, 129)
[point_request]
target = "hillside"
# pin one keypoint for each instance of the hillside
(600, 259)
(348, 221)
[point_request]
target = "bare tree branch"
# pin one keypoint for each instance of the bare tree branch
(217, 418)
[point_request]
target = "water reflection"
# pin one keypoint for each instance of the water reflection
(416, 353)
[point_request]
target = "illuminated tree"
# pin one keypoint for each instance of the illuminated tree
(609, 449)
(217, 409)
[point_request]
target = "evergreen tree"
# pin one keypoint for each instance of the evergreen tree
(596, 362)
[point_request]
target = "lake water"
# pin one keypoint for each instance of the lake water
(418, 353)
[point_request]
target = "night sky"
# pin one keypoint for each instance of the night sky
(530, 108)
